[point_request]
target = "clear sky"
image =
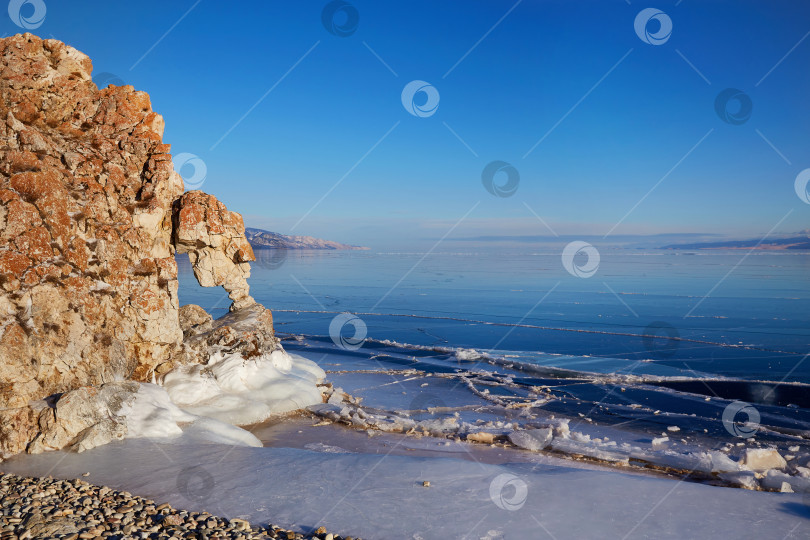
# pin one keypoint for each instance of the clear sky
(281, 111)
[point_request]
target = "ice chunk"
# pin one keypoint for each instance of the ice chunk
(470, 354)
(570, 446)
(561, 428)
(745, 479)
(776, 481)
(481, 437)
(337, 396)
(531, 439)
(723, 463)
(762, 459)
(659, 443)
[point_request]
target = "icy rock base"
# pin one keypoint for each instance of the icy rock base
(202, 403)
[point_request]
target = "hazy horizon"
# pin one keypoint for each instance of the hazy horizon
(484, 240)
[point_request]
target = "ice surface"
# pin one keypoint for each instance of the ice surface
(631, 423)
(377, 496)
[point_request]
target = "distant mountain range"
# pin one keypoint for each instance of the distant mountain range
(791, 242)
(261, 239)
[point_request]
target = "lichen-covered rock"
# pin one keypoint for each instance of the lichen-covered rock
(88, 288)
(89, 209)
(214, 239)
(194, 320)
(17, 427)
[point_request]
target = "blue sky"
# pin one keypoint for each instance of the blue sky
(535, 75)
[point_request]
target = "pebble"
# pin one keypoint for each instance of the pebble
(74, 509)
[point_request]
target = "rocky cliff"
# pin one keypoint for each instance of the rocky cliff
(91, 215)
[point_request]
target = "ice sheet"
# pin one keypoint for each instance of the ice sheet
(623, 423)
(382, 496)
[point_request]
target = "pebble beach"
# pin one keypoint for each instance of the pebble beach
(75, 509)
